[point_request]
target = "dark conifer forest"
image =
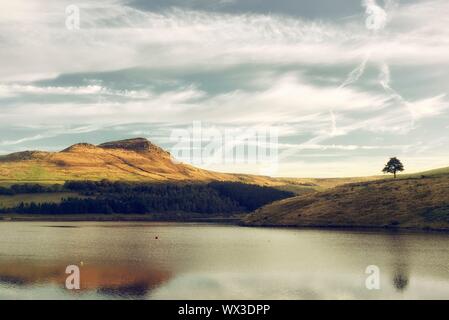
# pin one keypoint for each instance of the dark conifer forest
(106, 197)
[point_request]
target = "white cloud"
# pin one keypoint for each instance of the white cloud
(113, 36)
(50, 133)
(288, 99)
(35, 44)
(17, 90)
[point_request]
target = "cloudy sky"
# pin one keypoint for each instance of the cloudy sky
(347, 83)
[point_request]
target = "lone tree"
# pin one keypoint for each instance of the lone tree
(393, 166)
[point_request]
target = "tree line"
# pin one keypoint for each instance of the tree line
(29, 188)
(107, 197)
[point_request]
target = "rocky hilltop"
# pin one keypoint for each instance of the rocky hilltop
(136, 144)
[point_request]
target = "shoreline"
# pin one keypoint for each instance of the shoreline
(351, 228)
(233, 220)
(114, 218)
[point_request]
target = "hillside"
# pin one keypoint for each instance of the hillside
(421, 202)
(434, 172)
(129, 160)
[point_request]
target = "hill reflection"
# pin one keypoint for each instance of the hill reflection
(105, 279)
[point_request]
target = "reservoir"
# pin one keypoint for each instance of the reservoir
(144, 260)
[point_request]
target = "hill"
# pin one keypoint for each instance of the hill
(130, 160)
(420, 202)
(434, 172)
(133, 159)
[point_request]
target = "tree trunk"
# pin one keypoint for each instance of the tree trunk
(394, 174)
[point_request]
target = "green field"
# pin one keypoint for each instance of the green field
(15, 200)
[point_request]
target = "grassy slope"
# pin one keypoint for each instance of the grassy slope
(413, 201)
(435, 172)
(82, 162)
(320, 184)
(15, 200)
(88, 162)
(53, 175)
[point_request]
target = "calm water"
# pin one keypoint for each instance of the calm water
(189, 261)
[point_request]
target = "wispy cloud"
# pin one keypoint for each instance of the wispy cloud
(359, 72)
(42, 45)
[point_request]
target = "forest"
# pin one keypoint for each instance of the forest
(108, 197)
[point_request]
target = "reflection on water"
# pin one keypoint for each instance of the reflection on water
(400, 261)
(133, 290)
(400, 281)
(192, 261)
(117, 280)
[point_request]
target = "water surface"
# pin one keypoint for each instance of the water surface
(122, 260)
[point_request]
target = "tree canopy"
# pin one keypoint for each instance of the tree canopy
(393, 166)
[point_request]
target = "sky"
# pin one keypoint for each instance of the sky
(346, 84)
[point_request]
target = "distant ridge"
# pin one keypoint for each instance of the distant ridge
(23, 155)
(135, 159)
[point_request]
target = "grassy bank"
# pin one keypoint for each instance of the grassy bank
(408, 203)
